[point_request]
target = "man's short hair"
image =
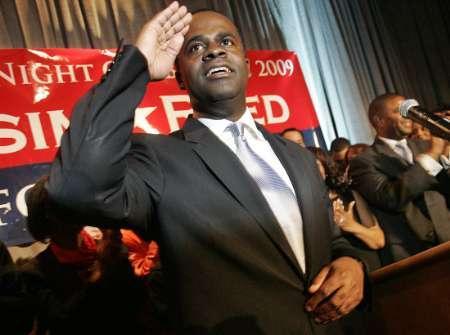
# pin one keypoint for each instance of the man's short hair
(339, 144)
(291, 129)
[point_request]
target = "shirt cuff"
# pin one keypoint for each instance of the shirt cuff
(445, 161)
(429, 164)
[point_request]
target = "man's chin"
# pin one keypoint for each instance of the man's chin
(221, 95)
(405, 132)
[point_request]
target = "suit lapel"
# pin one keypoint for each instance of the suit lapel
(389, 161)
(384, 149)
(227, 168)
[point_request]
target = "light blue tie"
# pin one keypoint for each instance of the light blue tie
(278, 194)
(404, 151)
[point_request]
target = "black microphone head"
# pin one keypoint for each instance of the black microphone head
(406, 105)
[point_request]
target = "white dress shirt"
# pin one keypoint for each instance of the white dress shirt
(292, 228)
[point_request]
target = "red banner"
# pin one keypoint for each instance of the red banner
(39, 87)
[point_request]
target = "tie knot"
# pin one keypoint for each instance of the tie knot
(237, 130)
(404, 151)
(401, 144)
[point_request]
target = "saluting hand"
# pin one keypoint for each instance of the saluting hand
(161, 38)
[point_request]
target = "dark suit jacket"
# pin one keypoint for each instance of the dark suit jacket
(228, 266)
(409, 203)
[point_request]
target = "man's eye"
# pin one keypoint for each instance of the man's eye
(196, 47)
(227, 42)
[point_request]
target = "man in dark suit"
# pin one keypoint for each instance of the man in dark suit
(234, 260)
(404, 182)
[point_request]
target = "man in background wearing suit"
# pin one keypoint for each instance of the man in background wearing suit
(404, 182)
(241, 216)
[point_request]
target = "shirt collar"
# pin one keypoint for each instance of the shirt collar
(219, 126)
(392, 143)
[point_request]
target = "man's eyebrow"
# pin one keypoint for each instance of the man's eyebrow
(219, 36)
(194, 38)
(227, 34)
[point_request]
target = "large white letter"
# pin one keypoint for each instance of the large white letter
(5, 208)
(36, 131)
(85, 68)
(140, 120)
(20, 200)
(69, 72)
(9, 78)
(59, 124)
(268, 99)
(171, 113)
(34, 70)
(253, 110)
(19, 137)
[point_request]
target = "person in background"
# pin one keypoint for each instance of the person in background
(338, 150)
(220, 196)
(404, 181)
(354, 151)
(357, 221)
(419, 132)
(294, 135)
(64, 287)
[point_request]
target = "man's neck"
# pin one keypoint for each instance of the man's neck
(225, 109)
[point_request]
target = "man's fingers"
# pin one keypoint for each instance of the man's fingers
(319, 279)
(175, 18)
(324, 292)
(332, 308)
(179, 26)
(350, 206)
(178, 15)
(339, 293)
(185, 30)
(167, 13)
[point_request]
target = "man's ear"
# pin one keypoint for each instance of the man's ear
(178, 76)
(378, 122)
(179, 80)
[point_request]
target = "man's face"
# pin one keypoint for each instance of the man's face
(294, 136)
(339, 157)
(420, 132)
(212, 61)
(393, 125)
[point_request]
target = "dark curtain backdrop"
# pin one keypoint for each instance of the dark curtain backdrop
(398, 46)
(101, 23)
(420, 30)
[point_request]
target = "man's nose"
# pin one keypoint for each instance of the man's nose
(213, 52)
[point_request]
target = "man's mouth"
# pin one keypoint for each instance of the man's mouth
(218, 72)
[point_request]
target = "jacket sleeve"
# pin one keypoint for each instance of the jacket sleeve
(389, 192)
(97, 171)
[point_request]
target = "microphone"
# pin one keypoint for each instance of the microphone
(438, 126)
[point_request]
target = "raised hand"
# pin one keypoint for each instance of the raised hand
(437, 147)
(161, 39)
(345, 219)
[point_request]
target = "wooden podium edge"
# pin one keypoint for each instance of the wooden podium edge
(424, 258)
